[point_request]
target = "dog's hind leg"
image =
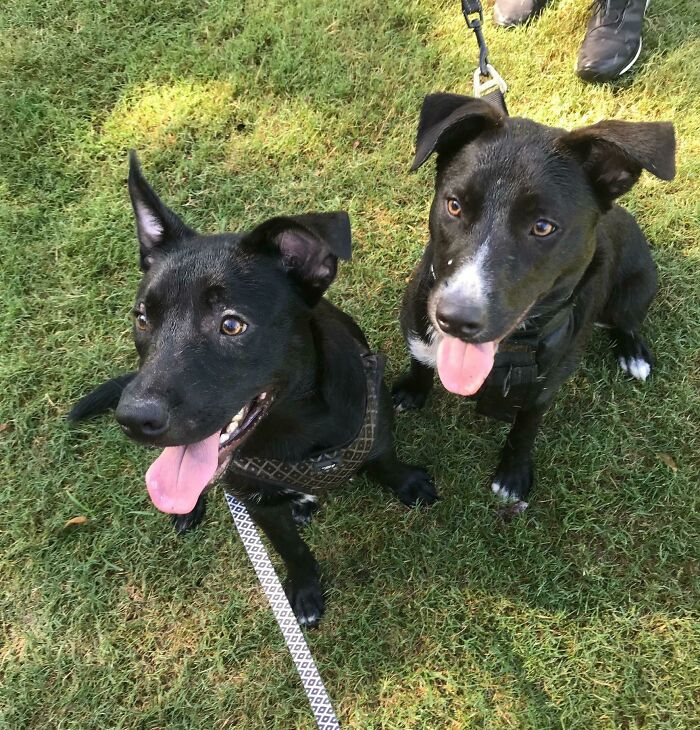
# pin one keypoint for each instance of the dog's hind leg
(184, 523)
(411, 390)
(303, 585)
(632, 292)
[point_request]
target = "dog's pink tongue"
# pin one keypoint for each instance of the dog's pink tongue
(178, 476)
(463, 367)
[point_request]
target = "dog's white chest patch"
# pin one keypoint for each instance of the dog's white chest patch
(422, 350)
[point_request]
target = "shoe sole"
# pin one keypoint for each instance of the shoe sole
(639, 50)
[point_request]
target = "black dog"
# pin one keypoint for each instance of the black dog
(527, 252)
(247, 373)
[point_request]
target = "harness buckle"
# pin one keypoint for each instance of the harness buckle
(493, 81)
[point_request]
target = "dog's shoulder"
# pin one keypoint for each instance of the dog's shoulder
(338, 326)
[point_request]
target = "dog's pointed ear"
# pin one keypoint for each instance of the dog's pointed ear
(447, 120)
(156, 225)
(308, 247)
(614, 153)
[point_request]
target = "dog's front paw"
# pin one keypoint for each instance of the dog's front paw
(638, 367)
(307, 601)
(512, 486)
(417, 488)
(183, 523)
(634, 357)
(407, 395)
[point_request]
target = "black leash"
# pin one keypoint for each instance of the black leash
(488, 83)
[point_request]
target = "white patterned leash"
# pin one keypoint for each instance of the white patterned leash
(298, 648)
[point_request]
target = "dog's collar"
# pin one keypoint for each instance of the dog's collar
(333, 466)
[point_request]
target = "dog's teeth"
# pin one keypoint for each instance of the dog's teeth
(223, 439)
(263, 395)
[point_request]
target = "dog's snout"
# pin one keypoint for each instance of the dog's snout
(460, 319)
(143, 418)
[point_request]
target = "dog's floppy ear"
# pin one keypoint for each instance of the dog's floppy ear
(156, 225)
(308, 246)
(450, 119)
(614, 153)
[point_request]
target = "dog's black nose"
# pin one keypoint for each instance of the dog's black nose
(459, 319)
(143, 418)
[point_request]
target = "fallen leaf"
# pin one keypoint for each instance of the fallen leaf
(4, 427)
(356, 144)
(80, 520)
(669, 461)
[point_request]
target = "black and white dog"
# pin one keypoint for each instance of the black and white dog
(527, 252)
(248, 374)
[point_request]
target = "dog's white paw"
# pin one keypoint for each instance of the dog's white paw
(309, 620)
(514, 506)
(503, 492)
(637, 367)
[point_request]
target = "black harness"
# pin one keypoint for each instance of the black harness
(516, 379)
(332, 466)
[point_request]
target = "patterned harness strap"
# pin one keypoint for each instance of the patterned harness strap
(298, 648)
(329, 468)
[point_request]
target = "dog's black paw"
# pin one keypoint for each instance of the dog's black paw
(184, 523)
(307, 602)
(417, 488)
(633, 356)
(512, 485)
(407, 395)
(303, 510)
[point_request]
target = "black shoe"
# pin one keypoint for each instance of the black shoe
(514, 12)
(613, 40)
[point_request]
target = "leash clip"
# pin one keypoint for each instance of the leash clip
(493, 81)
(474, 17)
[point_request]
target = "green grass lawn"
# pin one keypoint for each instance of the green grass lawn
(585, 613)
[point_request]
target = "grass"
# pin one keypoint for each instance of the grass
(583, 614)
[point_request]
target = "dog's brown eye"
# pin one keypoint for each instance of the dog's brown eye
(140, 319)
(543, 228)
(454, 207)
(233, 326)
